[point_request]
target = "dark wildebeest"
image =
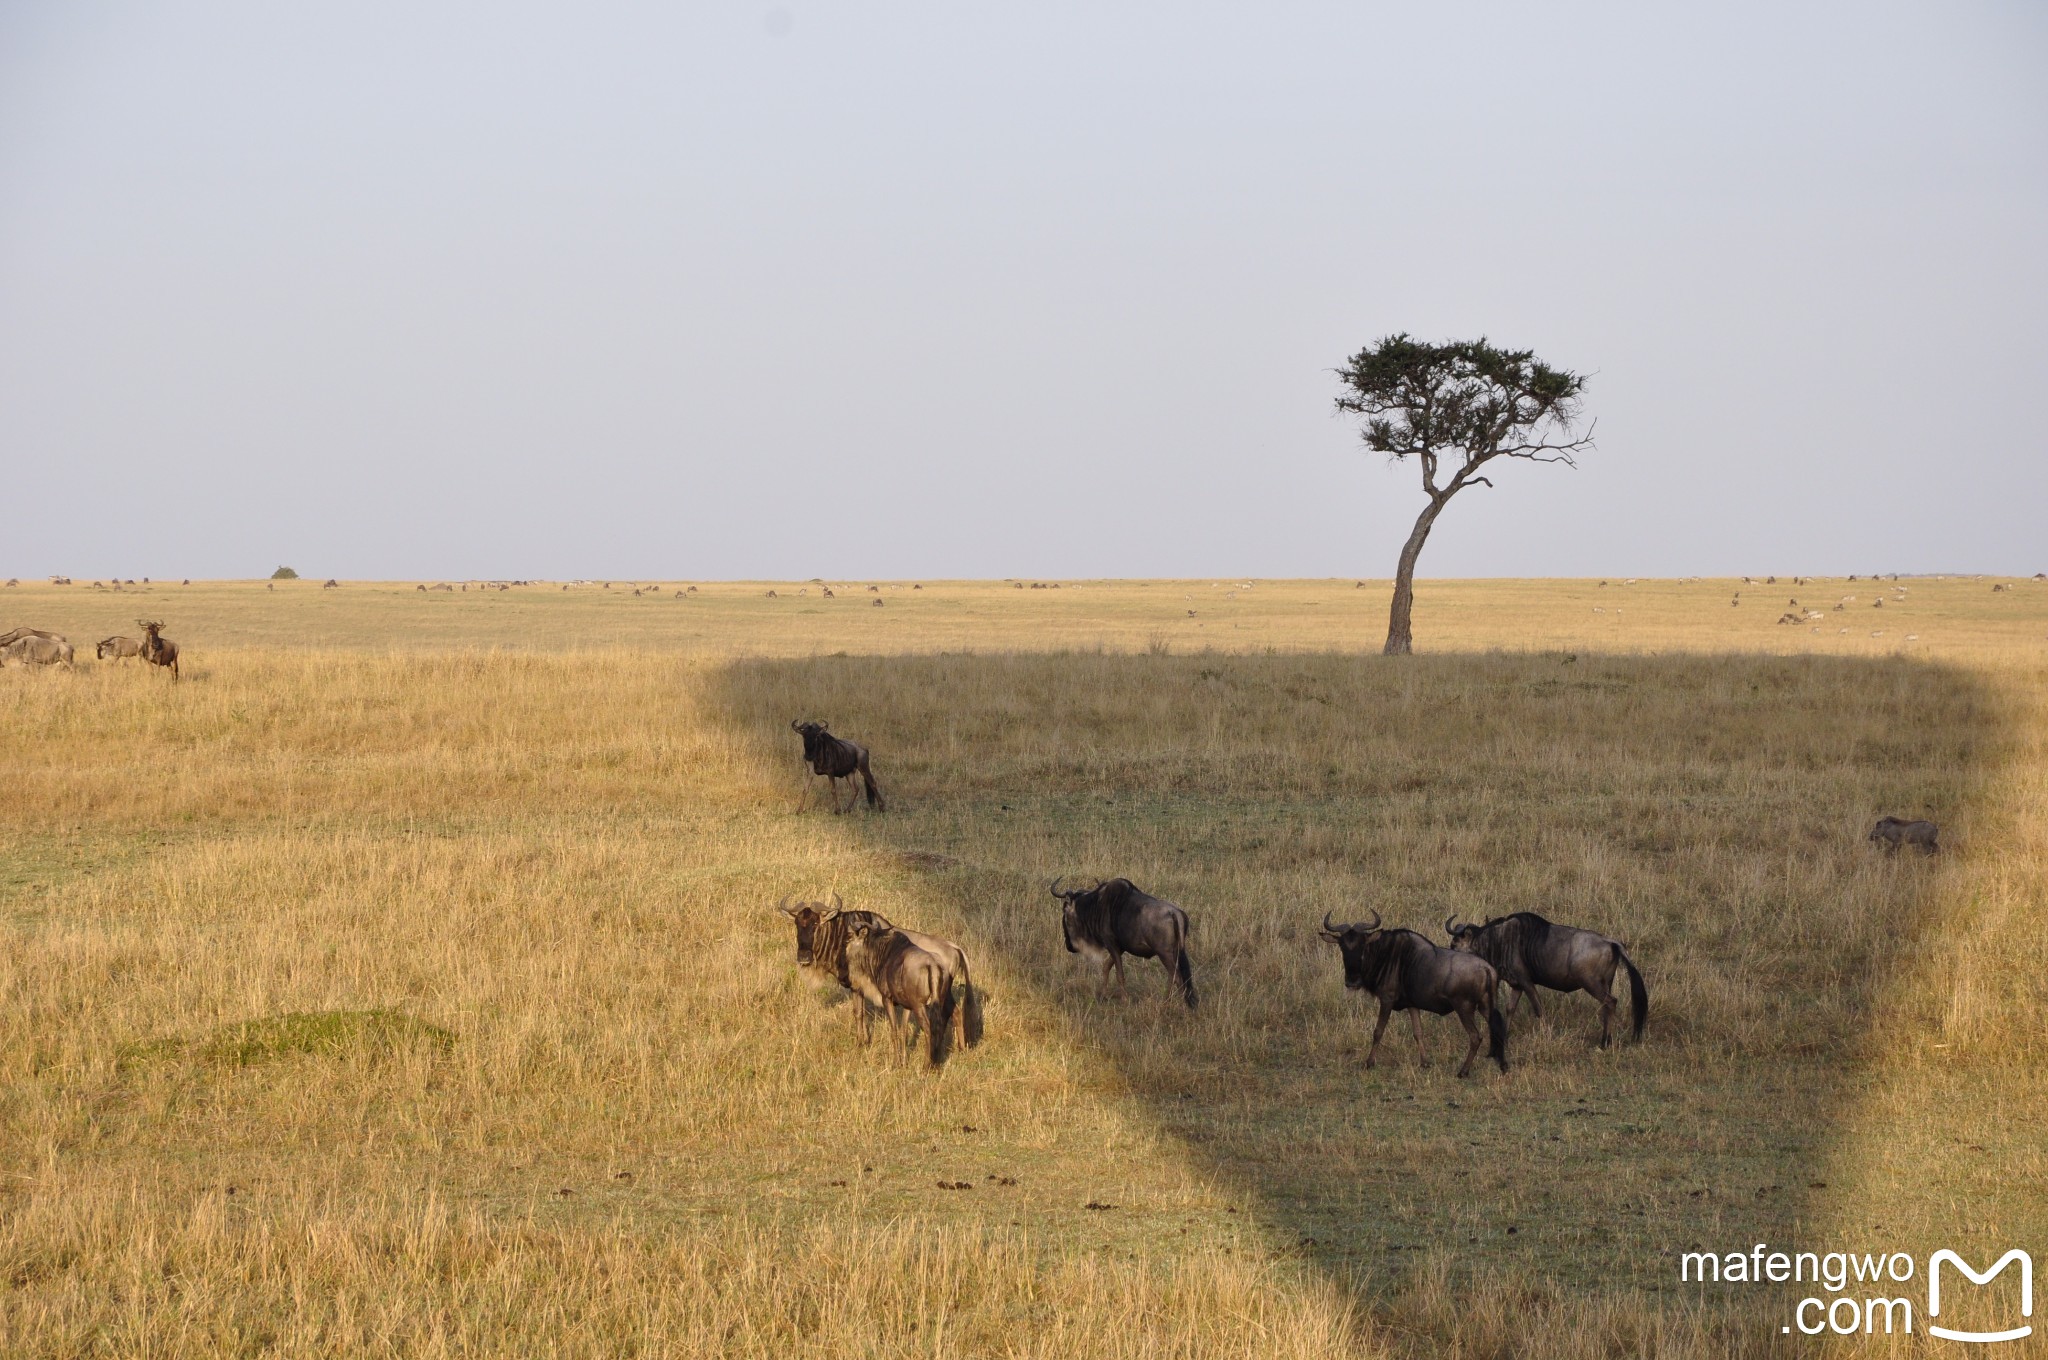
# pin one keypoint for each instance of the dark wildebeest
(821, 944)
(890, 972)
(1408, 973)
(32, 648)
(1116, 918)
(157, 649)
(1894, 832)
(835, 759)
(118, 648)
(1530, 952)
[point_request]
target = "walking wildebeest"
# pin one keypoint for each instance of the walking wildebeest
(821, 938)
(1894, 832)
(1116, 918)
(32, 648)
(157, 649)
(890, 972)
(1530, 952)
(1408, 973)
(118, 648)
(836, 759)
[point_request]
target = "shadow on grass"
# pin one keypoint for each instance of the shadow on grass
(1710, 811)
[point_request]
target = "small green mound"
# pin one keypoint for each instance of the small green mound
(284, 574)
(327, 1034)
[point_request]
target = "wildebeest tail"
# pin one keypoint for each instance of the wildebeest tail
(867, 779)
(1638, 994)
(1187, 980)
(941, 1017)
(1497, 1034)
(970, 1001)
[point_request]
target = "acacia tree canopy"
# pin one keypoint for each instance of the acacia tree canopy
(1454, 408)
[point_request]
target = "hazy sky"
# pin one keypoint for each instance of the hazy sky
(849, 289)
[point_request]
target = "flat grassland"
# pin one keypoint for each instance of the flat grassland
(406, 980)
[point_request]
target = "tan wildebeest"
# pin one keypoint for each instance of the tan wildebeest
(157, 649)
(118, 648)
(821, 938)
(31, 647)
(891, 973)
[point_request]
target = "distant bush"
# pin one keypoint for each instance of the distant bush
(284, 574)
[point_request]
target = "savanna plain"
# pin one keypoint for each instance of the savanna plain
(406, 979)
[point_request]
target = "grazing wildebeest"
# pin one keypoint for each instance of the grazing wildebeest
(1115, 918)
(835, 758)
(330, 584)
(1530, 952)
(13, 635)
(157, 649)
(118, 648)
(1894, 832)
(1408, 973)
(891, 972)
(821, 944)
(36, 649)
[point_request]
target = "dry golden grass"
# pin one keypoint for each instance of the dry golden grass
(242, 916)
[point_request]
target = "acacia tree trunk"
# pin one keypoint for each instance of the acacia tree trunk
(1400, 637)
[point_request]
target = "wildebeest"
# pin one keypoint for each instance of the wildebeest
(13, 635)
(1530, 952)
(821, 938)
(1115, 918)
(1893, 832)
(1408, 973)
(835, 758)
(157, 649)
(32, 648)
(118, 648)
(890, 972)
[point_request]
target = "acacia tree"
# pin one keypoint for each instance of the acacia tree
(1454, 408)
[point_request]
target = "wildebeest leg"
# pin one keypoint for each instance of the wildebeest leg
(1606, 999)
(1534, 1004)
(1472, 1028)
(1123, 987)
(1415, 1028)
(810, 782)
(1372, 1055)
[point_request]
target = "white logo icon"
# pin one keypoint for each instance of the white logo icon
(1934, 1293)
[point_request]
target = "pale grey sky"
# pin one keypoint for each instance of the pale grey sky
(849, 289)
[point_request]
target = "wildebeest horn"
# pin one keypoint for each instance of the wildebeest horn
(837, 904)
(1449, 928)
(783, 906)
(1375, 922)
(1055, 889)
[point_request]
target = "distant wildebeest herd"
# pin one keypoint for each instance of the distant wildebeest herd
(38, 647)
(924, 978)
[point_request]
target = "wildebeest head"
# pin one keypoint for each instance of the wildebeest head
(813, 734)
(1462, 936)
(1074, 900)
(808, 918)
(1364, 946)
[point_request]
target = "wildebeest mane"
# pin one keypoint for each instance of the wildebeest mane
(1095, 910)
(1383, 960)
(828, 945)
(1508, 942)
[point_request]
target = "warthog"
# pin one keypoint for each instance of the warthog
(1408, 973)
(1530, 952)
(821, 938)
(835, 759)
(890, 972)
(157, 649)
(118, 648)
(1893, 832)
(1112, 919)
(36, 649)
